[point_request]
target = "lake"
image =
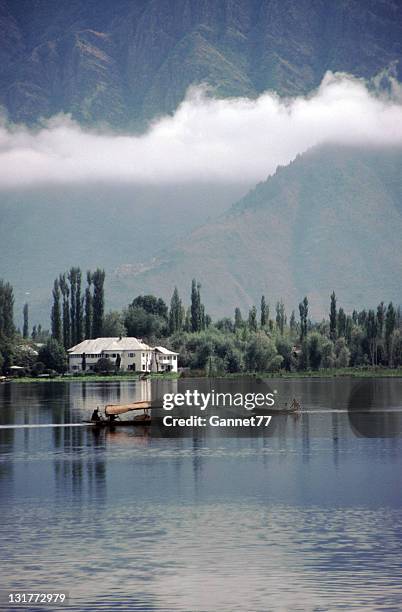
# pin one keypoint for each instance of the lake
(302, 515)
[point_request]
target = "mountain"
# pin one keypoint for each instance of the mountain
(123, 62)
(331, 220)
(44, 231)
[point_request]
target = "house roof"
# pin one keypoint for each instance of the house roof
(165, 351)
(98, 345)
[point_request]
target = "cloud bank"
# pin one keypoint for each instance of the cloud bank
(232, 140)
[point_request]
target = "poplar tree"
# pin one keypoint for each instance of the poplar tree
(390, 321)
(332, 317)
(280, 316)
(88, 307)
(175, 313)
(341, 323)
(98, 279)
(65, 292)
(197, 308)
(303, 311)
(25, 328)
(56, 325)
(371, 331)
(79, 306)
(238, 319)
(292, 322)
(264, 312)
(6, 310)
(73, 289)
(380, 318)
(252, 319)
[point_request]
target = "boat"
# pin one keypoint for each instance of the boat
(113, 412)
(294, 408)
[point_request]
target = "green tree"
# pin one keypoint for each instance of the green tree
(76, 305)
(233, 360)
(342, 353)
(380, 319)
(53, 355)
(113, 325)
(151, 305)
(56, 325)
(292, 322)
(285, 350)
(104, 366)
(264, 312)
(314, 345)
(371, 332)
(65, 292)
(6, 310)
(261, 354)
(280, 317)
(333, 317)
(341, 323)
(79, 307)
(175, 313)
(88, 307)
(303, 311)
(252, 319)
(142, 324)
(25, 328)
(390, 320)
(71, 276)
(225, 325)
(197, 309)
(238, 319)
(98, 279)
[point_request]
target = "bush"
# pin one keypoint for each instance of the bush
(104, 366)
(38, 368)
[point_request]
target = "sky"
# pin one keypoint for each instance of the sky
(207, 139)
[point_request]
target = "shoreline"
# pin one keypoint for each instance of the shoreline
(325, 373)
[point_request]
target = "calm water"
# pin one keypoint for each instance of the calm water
(303, 515)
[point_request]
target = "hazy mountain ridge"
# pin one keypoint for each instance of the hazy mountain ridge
(330, 220)
(122, 63)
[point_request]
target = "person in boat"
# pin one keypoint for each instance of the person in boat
(112, 418)
(295, 404)
(96, 417)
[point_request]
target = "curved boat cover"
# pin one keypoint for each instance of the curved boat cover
(123, 408)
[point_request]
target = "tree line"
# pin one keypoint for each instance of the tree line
(264, 339)
(77, 315)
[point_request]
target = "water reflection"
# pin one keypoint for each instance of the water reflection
(305, 515)
(372, 407)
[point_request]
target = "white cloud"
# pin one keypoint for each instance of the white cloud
(207, 139)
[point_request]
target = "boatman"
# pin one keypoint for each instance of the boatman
(95, 415)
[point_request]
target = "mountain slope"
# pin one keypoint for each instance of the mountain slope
(331, 220)
(46, 230)
(123, 63)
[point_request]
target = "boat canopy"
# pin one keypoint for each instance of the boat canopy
(123, 408)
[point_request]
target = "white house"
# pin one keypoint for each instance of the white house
(134, 355)
(166, 361)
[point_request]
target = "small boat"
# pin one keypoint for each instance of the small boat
(113, 412)
(294, 408)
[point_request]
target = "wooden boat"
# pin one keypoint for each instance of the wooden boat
(294, 408)
(138, 421)
(113, 412)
